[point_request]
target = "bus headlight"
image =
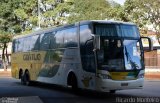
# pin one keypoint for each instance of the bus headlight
(104, 76)
(141, 75)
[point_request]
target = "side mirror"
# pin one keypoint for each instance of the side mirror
(147, 43)
(97, 42)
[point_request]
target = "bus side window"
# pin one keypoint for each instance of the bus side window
(86, 49)
(70, 38)
(35, 42)
(44, 41)
(20, 45)
(53, 40)
(59, 39)
(90, 59)
(14, 46)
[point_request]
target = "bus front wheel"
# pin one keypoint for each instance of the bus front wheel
(72, 81)
(112, 91)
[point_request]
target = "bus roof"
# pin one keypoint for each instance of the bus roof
(69, 25)
(105, 22)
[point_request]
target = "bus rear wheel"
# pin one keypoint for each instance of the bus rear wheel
(25, 80)
(20, 73)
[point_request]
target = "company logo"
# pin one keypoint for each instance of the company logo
(28, 57)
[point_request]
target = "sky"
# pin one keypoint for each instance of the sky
(120, 1)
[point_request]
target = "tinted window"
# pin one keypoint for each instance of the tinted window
(70, 38)
(59, 39)
(15, 45)
(20, 45)
(117, 30)
(34, 42)
(129, 31)
(44, 41)
(86, 49)
(27, 43)
(106, 30)
(85, 33)
(53, 40)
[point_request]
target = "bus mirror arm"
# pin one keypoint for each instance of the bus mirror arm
(96, 42)
(150, 43)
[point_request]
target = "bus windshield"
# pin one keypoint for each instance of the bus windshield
(119, 55)
(117, 30)
(121, 47)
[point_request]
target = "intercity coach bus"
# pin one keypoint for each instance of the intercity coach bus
(96, 55)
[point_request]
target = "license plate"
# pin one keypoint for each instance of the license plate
(124, 84)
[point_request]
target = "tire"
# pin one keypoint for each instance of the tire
(112, 91)
(74, 82)
(25, 80)
(20, 74)
(22, 80)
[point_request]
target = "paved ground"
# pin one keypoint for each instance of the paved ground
(5, 73)
(45, 93)
(152, 76)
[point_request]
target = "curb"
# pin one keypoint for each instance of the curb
(152, 76)
(5, 73)
(1, 70)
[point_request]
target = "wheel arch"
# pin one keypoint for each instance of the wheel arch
(25, 72)
(69, 76)
(20, 73)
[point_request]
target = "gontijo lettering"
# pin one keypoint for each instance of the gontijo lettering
(32, 57)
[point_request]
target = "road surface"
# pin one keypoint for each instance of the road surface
(11, 91)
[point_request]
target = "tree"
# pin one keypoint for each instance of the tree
(88, 10)
(5, 38)
(8, 20)
(52, 12)
(151, 9)
(144, 12)
(134, 13)
(116, 12)
(57, 14)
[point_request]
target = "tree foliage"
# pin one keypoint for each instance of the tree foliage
(143, 12)
(88, 10)
(21, 16)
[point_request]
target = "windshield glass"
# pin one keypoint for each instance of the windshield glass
(119, 55)
(132, 53)
(117, 30)
(110, 56)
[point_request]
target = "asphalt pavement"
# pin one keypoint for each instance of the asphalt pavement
(12, 91)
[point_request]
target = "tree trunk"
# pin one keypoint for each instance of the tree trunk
(7, 54)
(3, 57)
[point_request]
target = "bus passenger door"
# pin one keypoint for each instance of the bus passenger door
(88, 64)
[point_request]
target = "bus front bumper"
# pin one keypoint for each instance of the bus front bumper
(105, 85)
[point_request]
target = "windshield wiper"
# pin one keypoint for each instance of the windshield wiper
(126, 53)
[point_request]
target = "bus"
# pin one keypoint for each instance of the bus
(96, 55)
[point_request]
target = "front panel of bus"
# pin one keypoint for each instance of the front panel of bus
(120, 59)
